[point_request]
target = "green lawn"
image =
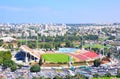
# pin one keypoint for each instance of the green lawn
(95, 46)
(55, 58)
(23, 40)
(106, 78)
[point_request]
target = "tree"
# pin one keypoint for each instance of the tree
(35, 68)
(5, 58)
(49, 39)
(95, 49)
(93, 37)
(109, 55)
(111, 38)
(118, 74)
(79, 76)
(90, 37)
(35, 78)
(40, 61)
(1, 42)
(31, 44)
(1, 57)
(69, 77)
(57, 77)
(20, 65)
(1, 60)
(10, 46)
(57, 45)
(97, 62)
(13, 68)
(7, 55)
(68, 44)
(41, 46)
(47, 46)
(108, 74)
(96, 75)
(8, 63)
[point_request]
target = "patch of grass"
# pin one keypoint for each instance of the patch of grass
(106, 78)
(99, 46)
(56, 58)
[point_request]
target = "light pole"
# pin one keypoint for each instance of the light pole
(21, 38)
(26, 59)
(82, 37)
(103, 47)
(37, 42)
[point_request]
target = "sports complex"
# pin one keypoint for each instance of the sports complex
(63, 56)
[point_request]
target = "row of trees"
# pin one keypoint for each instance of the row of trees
(47, 45)
(67, 37)
(90, 37)
(54, 42)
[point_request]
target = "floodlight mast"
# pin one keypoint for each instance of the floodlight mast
(26, 59)
(37, 41)
(82, 37)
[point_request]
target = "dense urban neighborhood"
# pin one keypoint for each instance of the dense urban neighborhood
(59, 51)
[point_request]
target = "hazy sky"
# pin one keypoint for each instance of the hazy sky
(59, 11)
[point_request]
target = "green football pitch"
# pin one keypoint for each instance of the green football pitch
(95, 46)
(55, 58)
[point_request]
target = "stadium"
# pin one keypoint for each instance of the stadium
(49, 57)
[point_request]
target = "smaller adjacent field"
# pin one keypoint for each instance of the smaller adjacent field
(106, 78)
(95, 46)
(55, 58)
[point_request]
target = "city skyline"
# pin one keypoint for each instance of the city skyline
(59, 39)
(53, 11)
